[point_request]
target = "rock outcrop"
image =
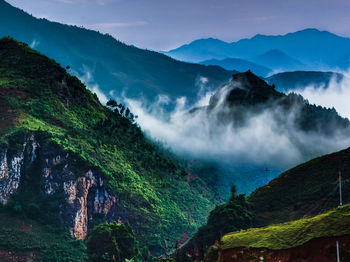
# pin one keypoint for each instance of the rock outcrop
(83, 191)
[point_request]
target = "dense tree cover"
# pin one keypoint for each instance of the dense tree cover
(112, 242)
(26, 239)
(149, 181)
(231, 216)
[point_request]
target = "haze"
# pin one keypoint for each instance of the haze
(163, 25)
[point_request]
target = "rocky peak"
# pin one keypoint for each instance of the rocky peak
(244, 89)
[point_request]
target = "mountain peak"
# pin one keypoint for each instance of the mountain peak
(245, 88)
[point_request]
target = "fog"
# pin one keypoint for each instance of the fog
(336, 94)
(268, 138)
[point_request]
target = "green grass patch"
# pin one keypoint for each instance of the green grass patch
(291, 234)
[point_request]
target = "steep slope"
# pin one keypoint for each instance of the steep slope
(65, 156)
(240, 65)
(23, 239)
(289, 81)
(310, 46)
(305, 190)
(101, 59)
(295, 242)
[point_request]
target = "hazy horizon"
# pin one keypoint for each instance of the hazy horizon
(160, 25)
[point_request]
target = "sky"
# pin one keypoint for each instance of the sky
(167, 24)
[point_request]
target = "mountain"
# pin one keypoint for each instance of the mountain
(293, 241)
(289, 81)
(116, 68)
(305, 191)
(240, 65)
(248, 98)
(278, 60)
(310, 46)
(67, 160)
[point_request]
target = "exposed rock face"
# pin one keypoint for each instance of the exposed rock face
(10, 173)
(316, 250)
(84, 192)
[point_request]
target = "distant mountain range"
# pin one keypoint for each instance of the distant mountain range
(100, 59)
(309, 49)
(240, 65)
(288, 81)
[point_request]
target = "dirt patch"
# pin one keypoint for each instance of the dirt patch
(8, 114)
(26, 228)
(316, 250)
(8, 256)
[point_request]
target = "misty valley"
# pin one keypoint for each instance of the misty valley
(211, 151)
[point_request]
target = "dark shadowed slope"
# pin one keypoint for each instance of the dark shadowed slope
(305, 190)
(101, 59)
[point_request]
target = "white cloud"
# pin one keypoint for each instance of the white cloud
(336, 94)
(262, 140)
(86, 77)
(109, 26)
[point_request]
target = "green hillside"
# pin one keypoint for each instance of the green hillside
(29, 240)
(306, 190)
(290, 234)
(39, 97)
(114, 66)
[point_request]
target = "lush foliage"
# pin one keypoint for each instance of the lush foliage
(111, 242)
(231, 216)
(149, 181)
(291, 234)
(24, 237)
(306, 190)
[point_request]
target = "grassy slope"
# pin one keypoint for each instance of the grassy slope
(308, 189)
(291, 234)
(115, 66)
(150, 183)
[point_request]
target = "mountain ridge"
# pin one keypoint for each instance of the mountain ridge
(310, 46)
(106, 64)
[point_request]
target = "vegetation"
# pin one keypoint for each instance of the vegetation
(20, 236)
(305, 190)
(231, 216)
(291, 234)
(111, 242)
(149, 181)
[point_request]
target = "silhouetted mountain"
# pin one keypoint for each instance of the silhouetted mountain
(278, 60)
(316, 50)
(300, 79)
(101, 59)
(240, 65)
(249, 101)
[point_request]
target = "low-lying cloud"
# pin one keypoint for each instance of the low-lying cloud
(336, 94)
(269, 138)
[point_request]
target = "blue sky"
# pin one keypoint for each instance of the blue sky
(166, 24)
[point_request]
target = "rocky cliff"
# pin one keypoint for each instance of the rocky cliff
(84, 194)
